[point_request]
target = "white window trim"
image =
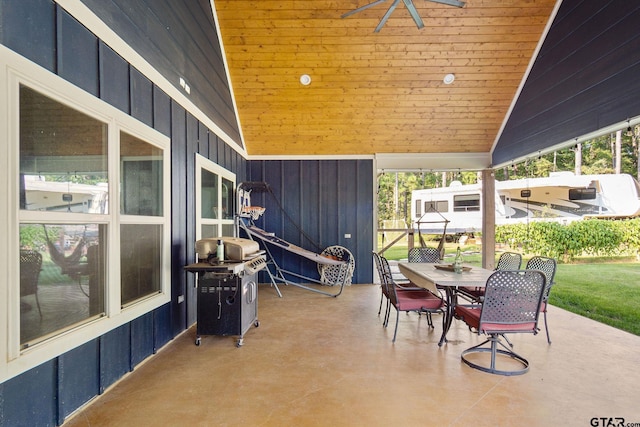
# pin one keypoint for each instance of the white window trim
(206, 164)
(16, 70)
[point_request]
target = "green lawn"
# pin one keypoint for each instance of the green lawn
(602, 290)
(608, 293)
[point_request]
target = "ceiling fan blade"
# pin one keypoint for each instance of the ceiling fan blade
(414, 13)
(386, 16)
(455, 3)
(361, 8)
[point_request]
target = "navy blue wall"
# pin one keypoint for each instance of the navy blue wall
(585, 78)
(50, 37)
(314, 204)
(184, 44)
(327, 199)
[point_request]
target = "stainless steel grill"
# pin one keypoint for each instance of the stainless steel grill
(227, 287)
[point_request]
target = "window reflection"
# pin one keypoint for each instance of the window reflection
(227, 198)
(209, 231)
(141, 177)
(140, 261)
(63, 157)
(209, 194)
(62, 277)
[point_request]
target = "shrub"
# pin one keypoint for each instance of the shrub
(565, 242)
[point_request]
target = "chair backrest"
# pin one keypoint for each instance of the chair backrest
(509, 261)
(378, 264)
(420, 254)
(384, 270)
(386, 277)
(512, 301)
(548, 267)
(30, 266)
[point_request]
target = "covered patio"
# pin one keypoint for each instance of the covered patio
(218, 83)
(329, 362)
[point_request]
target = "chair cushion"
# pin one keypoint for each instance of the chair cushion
(416, 300)
(489, 328)
(470, 315)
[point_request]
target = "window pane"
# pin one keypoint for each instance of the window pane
(141, 176)
(227, 230)
(442, 206)
(582, 193)
(140, 261)
(62, 277)
(466, 202)
(227, 198)
(63, 157)
(209, 231)
(209, 194)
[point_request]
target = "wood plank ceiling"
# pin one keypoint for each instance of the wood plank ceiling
(376, 92)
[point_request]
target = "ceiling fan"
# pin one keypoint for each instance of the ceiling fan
(410, 7)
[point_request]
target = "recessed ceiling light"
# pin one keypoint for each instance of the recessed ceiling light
(305, 79)
(448, 79)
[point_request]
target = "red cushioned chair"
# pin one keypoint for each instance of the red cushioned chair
(418, 300)
(511, 305)
(384, 270)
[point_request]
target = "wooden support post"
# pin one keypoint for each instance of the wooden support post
(488, 219)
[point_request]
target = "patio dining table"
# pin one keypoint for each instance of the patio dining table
(432, 276)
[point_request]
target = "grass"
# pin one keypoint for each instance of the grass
(608, 293)
(603, 289)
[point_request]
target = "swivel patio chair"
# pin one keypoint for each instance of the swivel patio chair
(30, 267)
(507, 261)
(511, 305)
(417, 300)
(422, 254)
(548, 267)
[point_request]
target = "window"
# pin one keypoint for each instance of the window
(466, 202)
(141, 204)
(62, 277)
(582, 193)
(63, 176)
(86, 222)
(214, 200)
(436, 206)
(63, 157)
(418, 207)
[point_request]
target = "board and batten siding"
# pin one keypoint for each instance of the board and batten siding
(315, 204)
(47, 35)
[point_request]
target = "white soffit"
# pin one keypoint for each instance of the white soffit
(433, 161)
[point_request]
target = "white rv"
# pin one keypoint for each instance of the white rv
(562, 197)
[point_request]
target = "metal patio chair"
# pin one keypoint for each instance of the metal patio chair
(548, 267)
(385, 273)
(511, 305)
(421, 254)
(507, 261)
(418, 300)
(30, 267)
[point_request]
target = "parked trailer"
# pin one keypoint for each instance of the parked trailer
(562, 197)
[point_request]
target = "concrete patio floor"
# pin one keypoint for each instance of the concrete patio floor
(321, 361)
